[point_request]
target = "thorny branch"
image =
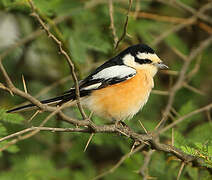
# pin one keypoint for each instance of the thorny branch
(64, 53)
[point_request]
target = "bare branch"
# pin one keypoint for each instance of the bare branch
(205, 108)
(64, 53)
(24, 84)
(112, 26)
(180, 170)
(191, 88)
(52, 129)
(88, 142)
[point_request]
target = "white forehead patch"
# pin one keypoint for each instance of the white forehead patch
(119, 71)
(152, 57)
(129, 60)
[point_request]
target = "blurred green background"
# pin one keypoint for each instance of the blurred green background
(84, 28)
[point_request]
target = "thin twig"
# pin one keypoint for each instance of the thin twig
(205, 108)
(175, 112)
(159, 92)
(118, 163)
(172, 136)
(51, 129)
(24, 84)
(158, 17)
(169, 19)
(112, 26)
(195, 69)
(125, 25)
(137, 8)
(209, 115)
(143, 127)
(191, 88)
(200, 14)
(35, 114)
(2, 86)
(180, 170)
(64, 53)
(88, 142)
(180, 54)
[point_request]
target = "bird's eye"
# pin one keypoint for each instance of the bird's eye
(143, 61)
(147, 61)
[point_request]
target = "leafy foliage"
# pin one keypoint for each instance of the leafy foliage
(10, 118)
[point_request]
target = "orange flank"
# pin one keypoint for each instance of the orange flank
(122, 100)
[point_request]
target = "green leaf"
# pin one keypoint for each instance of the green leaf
(201, 133)
(189, 2)
(185, 109)
(3, 130)
(77, 48)
(12, 149)
(35, 167)
(47, 7)
(210, 151)
(11, 118)
(192, 172)
(188, 150)
(179, 139)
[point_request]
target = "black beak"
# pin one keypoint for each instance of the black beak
(160, 65)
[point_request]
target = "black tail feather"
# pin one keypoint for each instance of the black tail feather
(70, 95)
(58, 100)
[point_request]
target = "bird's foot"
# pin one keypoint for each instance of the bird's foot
(122, 128)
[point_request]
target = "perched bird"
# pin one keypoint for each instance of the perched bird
(117, 89)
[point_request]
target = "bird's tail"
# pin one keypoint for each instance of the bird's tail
(53, 101)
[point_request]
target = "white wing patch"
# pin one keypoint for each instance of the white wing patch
(93, 86)
(119, 71)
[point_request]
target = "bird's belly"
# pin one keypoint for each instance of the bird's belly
(120, 101)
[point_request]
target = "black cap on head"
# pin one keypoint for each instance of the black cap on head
(133, 50)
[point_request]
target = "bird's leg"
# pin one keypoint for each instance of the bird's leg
(119, 123)
(120, 126)
(123, 124)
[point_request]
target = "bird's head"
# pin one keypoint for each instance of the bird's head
(141, 56)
